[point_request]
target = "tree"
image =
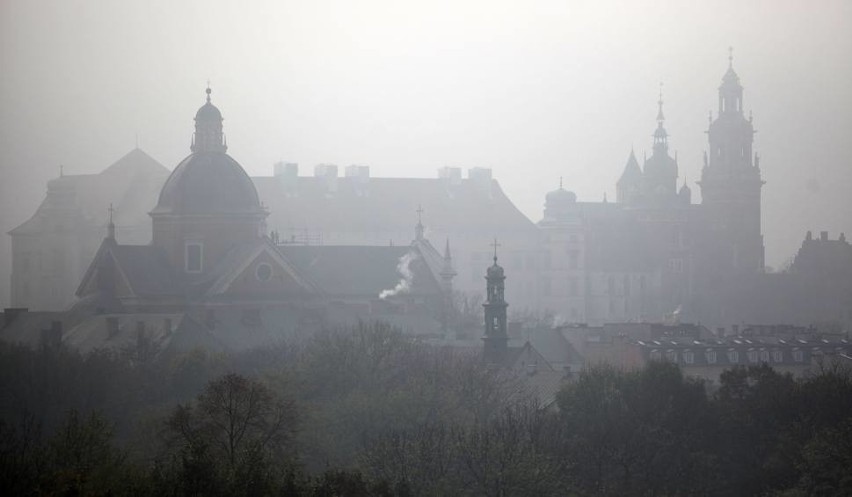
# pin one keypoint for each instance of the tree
(236, 433)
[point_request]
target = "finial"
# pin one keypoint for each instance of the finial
(730, 57)
(61, 170)
(111, 225)
(495, 245)
(208, 91)
(560, 182)
(660, 116)
(418, 230)
(447, 255)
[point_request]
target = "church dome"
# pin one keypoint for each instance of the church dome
(208, 111)
(560, 197)
(208, 183)
(495, 270)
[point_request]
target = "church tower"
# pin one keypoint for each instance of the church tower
(731, 183)
(208, 204)
(659, 178)
(496, 333)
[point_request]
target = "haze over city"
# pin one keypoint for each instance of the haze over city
(535, 91)
(385, 248)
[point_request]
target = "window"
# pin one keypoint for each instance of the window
(194, 257)
(752, 355)
(655, 355)
(676, 265)
(764, 356)
(671, 355)
(798, 355)
(688, 357)
(710, 355)
(733, 356)
(777, 356)
(263, 272)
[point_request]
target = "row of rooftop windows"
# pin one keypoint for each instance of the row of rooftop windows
(753, 356)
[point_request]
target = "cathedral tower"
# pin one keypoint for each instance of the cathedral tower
(731, 182)
(659, 178)
(496, 334)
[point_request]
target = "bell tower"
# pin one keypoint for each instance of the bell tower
(731, 182)
(496, 334)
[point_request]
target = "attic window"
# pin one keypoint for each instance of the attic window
(263, 272)
(194, 256)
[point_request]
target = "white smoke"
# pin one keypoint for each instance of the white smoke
(404, 269)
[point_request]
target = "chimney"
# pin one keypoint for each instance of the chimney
(327, 172)
(481, 178)
(111, 326)
(10, 314)
(361, 173)
(451, 175)
(823, 236)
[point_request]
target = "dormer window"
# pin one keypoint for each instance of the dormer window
(193, 257)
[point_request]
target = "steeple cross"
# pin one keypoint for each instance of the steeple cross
(111, 210)
(730, 57)
(495, 245)
(419, 213)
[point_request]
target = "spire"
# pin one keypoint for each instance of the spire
(731, 92)
(495, 245)
(447, 255)
(418, 230)
(660, 135)
(111, 225)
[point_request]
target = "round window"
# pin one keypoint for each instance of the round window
(263, 271)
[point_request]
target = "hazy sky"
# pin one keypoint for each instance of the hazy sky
(533, 89)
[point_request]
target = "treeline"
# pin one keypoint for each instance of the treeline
(367, 411)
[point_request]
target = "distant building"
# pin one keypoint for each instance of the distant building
(653, 253)
(213, 272)
(51, 250)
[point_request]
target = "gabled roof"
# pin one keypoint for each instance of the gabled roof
(131, 185)
(359, 270)
(143, 268)
(380, 205)
(241, 256)
(632, 174)
(165, 332)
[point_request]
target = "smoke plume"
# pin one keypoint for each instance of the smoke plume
(404, 269)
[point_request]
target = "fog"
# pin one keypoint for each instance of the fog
(533, 90)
